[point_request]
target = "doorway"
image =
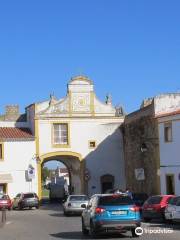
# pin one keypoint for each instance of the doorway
(170, 184)
(3, 188)
(107, 182)
(55, 180)
(73, 162)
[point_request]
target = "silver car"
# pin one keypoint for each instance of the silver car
(73, 204)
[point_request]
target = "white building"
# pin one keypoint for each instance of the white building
(78, 130)
(168, 115)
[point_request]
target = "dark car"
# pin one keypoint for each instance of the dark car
(5, 202)
(110, 212)
(155, 206)
(26, 200)
(139, 199)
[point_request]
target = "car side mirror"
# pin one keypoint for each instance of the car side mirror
(83, 206)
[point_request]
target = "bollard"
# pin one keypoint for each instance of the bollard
(3, 215)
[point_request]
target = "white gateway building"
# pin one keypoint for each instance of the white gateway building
(78, 130)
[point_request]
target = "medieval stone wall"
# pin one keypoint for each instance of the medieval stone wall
(141, 150)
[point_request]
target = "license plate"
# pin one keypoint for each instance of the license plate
(75, 204)
(120, 212)
(150, 209)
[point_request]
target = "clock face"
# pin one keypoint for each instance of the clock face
(81, 102)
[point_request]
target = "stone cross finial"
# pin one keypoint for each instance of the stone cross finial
(108, 99)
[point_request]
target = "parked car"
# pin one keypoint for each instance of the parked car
(155, 206)
(73, 204)
(26, 200)
(172, 211)
(5, 201)
(110, 212)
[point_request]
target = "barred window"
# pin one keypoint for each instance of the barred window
(60, 133)
(168, 132)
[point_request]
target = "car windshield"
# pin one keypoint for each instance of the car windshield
(154, 200)
(28, 195)
(78, 198)
(4, 197)
(115, 200)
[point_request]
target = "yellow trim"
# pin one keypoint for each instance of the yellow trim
(70, 103)
(60, 153)
(92, 96)
(52, 137)
(37, 153)
(90, 144)
(2, 144)
(6, 188)
(52, 155)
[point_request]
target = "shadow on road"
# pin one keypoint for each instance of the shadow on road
(79, 235)
(52, 206)
(173, 226)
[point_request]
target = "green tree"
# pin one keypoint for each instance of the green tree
(45, 174)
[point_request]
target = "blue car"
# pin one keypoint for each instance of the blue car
(110, 212)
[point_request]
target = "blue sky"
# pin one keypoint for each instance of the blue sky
(129, 48)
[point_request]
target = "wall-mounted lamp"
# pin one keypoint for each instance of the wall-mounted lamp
(36, 158)
(144, 147)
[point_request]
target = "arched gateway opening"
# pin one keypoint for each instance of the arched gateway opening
(75, 165)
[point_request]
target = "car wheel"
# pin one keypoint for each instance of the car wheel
(20, 207)
(134, 233)
(93, 232)
(84, 230)
(37, 207)
(9, 208)
(66, 213)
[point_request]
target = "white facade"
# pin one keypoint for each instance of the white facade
(18, 156)
(169, 150)
(89, 120)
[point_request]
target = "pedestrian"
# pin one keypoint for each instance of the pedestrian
(129, 193)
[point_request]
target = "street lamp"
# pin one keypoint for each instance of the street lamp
(144, 147)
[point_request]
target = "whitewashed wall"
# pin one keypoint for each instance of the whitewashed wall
(170, 152)
(107, 158)
(17, 157)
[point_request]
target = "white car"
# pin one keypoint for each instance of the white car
(73, 204)
(172, 211)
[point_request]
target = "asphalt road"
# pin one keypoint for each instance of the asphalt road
(48, 223)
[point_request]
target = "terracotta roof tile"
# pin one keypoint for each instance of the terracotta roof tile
(168, 114)
(15, 133)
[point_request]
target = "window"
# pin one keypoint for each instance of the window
(154, 200)
(92, 144)
(78, 198)
(60, 134)
(168, 132)
(115, 199)
(170, 184)
(1, 151)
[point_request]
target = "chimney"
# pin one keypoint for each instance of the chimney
(11, 112)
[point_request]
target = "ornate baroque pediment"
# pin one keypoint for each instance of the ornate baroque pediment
(80, 101)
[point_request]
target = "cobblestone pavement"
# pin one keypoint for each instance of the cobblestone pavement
(48, 223)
